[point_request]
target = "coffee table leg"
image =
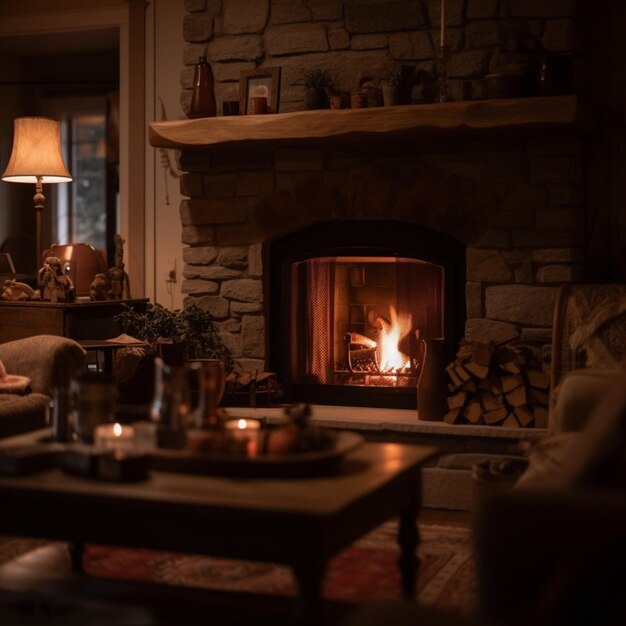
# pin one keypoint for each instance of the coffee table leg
(309, 576)
(408, 540)
(76, 549)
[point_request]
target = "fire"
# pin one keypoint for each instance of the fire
(390, 359)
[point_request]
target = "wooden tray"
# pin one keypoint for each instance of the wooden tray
(312, 463)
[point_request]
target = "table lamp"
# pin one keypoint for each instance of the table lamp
(36, 158)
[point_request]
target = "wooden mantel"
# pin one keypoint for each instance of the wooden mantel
(373, 124)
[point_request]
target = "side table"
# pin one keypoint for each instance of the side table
(106, 349)
(75, 320)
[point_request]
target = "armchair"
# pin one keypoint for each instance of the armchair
(553, 549)
(49, 361)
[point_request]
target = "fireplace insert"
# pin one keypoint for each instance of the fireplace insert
(349, 304)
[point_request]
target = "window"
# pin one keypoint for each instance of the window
(80, 210)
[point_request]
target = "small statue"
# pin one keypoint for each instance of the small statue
(58, 285)
(100, 286)
(14, 290)
(118, 278)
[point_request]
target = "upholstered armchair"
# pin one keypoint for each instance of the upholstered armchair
(553, 549)
(49, 362)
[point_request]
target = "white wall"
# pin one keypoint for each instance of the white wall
(164, 45)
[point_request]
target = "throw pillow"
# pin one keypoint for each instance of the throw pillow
(11, 383)
(593, 457)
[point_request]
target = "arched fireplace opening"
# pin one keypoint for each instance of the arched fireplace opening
(349, 302)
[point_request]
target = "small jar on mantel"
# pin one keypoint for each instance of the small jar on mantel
(203, 96)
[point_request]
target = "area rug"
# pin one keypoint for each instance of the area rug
(365, 571)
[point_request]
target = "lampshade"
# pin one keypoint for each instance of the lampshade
(36, 152)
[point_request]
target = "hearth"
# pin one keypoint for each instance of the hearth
(350, 303)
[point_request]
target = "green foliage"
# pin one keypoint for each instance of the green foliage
(398, 75)
(317, 79)
(394, 77)
(192, 326)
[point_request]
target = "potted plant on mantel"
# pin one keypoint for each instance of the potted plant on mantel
(396, 85)
(317, 85)
(390, 86)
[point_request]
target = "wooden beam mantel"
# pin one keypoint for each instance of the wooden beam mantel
(373, 124)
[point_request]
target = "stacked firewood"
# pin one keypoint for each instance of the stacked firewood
(497, 384)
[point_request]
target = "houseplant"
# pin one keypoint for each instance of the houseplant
(175, 335)
(397, 83)
(391, 85)
(317, 84)
(190, 329)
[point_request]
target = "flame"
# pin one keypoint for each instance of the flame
(117, 429)
(390, 358)
(241, 424)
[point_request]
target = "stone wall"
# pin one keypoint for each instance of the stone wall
(516, 201)
(357, 38)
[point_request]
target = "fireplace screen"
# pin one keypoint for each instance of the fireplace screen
(359, 321)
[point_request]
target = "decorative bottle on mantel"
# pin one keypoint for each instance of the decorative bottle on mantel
(431, 386)
(203, 97)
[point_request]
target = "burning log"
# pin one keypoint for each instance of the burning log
(381, 355)
(497, 384)
(356, 339)
(378, 321)
(361, 353)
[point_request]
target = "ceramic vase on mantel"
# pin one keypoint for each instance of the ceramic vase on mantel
(431, 386)
(315, 98)
(391, 94)
(203, 96)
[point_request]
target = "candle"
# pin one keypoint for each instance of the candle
(442, 33)
(246, 433)
(114, 437)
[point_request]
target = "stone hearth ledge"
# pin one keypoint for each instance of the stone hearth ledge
(447, 483)
(385, 420)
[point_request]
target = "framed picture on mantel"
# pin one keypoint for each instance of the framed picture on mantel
(259, 90)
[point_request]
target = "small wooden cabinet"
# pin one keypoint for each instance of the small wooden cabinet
(76, 320)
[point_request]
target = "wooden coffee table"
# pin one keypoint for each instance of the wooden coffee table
(298, 522)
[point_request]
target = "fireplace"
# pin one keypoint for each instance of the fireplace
(349, 304)
(497, 219)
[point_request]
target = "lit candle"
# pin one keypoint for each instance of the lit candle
(245, 432)
(442, 33)
(114, 437)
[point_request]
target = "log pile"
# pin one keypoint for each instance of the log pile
(497, 385)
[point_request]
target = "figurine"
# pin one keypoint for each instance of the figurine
(51, 278)
(118, 278)
(100, 286)
(14, 290)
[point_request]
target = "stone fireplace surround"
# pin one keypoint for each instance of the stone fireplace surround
(515, 201)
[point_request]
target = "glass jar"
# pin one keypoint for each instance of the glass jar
(171, 403)
(211, 384)
(92, 398)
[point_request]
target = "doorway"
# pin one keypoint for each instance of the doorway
(84, 28)
(71, 77)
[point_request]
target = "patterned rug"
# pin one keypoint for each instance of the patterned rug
(365, 571)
